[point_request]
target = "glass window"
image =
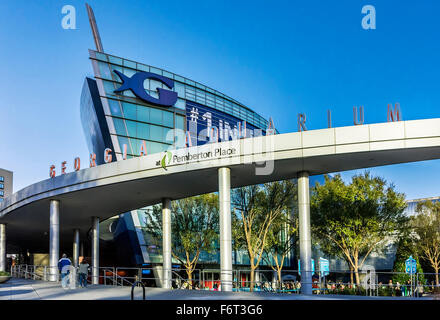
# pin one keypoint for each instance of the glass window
(154, 93)
(122, 141)
(143, 130)
(2, 186)
(143, 113)
(129, 110)
(131, 128)
(2, 179)
(101, 56)
(156, 133)
(1, 199)
(143, 67)
(167, 74)
(104, 70)
(130, 64)
(2, 193)
(180, 89)
(190, 96)
(155, 70)
(136, 146)
(120, 127)
(168, 119)
(180, 104)
(128, 93)
(154, 147)
(113, 67)
(180, 122)
(155, 116)
(129, 72)
(179, 78)
(115, 60)
(115, 109)
(109, 87)
(155, 84)
(168, 135)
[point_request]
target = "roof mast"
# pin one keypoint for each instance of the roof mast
(94, 27)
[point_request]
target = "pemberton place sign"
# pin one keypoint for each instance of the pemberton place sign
(174, 156)
(167, 98)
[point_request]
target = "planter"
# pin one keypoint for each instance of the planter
(4, 279)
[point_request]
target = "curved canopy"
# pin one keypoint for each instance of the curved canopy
(118, 187)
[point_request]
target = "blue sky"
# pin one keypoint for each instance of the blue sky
(277, 57)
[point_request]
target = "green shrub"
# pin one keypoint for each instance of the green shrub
(3, 273)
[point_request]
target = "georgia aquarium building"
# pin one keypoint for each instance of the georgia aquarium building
(132, 108)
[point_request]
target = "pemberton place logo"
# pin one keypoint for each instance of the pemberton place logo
(136, 85)
(189, 156)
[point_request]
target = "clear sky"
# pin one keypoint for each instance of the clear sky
(277, 57)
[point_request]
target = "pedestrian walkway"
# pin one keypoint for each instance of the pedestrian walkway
(21, 289)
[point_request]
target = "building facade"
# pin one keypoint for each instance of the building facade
(129, 123)
(6, 183)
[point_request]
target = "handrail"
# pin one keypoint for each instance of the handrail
(134, 285)
(184, 281)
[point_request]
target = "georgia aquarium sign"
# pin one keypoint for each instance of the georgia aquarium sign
(136, 85)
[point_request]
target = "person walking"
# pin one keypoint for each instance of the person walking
(83, 273)
(64, 267)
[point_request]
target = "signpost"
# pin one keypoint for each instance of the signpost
(324, 270)
(324, 267)
(411, 269)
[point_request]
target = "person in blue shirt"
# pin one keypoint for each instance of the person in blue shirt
(63, 266)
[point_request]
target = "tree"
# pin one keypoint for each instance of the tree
(406, 248)
(194, 225)
(255, 209)
(352, 220)
(427, 229)
(281, 238)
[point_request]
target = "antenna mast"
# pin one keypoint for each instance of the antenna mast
(94, 27)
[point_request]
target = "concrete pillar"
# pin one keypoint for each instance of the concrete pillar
(2, 247)
(95, 250)
(54, 239)
(166, 243)
(305, 242)
(76, 247)
(224, 195)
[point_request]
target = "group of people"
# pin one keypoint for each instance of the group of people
(406, 289)
(65, 265)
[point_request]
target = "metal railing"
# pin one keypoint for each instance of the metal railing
(371, 283)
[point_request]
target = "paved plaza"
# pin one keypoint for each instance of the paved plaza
(21, 289)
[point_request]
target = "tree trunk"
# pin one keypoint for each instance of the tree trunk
(356, 272)
(280, 282)
(189, 281)
(436, 280)
(251, 288)
(351, 275)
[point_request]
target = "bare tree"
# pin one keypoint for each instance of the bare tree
(256, 208)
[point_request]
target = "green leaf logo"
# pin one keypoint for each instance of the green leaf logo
(164, 161)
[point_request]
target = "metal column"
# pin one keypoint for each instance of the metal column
(54, 239)
(76, 247)
(95, 250)
(305, 243)
(166, 243)
(224, 196)
(2, 247)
